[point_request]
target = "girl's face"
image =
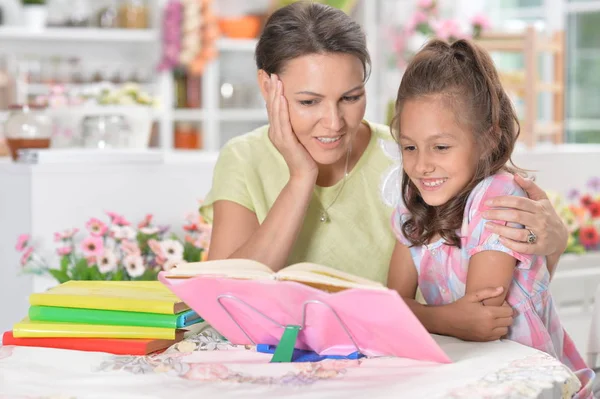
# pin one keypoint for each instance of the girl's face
(326, 99)
(438, 155)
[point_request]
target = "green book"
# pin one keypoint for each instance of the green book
(113, 317)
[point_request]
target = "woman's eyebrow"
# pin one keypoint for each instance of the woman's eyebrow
(312, 93)
(360, 86)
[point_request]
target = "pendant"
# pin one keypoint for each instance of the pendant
(323, 217)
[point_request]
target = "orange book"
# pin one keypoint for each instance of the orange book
(108, 345)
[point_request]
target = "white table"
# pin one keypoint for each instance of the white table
(204, 366)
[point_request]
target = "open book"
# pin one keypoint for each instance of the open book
(317, 276)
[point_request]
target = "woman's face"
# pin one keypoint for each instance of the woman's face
(326, 99)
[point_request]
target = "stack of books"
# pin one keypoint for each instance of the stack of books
(119, 317)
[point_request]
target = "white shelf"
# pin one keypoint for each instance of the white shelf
(225, 44)
(245, 115)
(189, 115)
(43, 88)
(223, 115)
(149, 36)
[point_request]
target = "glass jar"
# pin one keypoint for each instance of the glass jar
(105, 131)
(133, 14)
(108, 16)
(186, 136)
(27, 126)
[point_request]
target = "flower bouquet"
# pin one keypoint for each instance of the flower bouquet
(425, 24)
(581, 213)
(116, 250)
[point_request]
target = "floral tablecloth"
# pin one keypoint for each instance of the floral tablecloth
(204, 365)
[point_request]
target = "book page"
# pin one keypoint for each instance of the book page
(326, 276)
(233, 268)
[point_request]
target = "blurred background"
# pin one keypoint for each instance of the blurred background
(179, 74)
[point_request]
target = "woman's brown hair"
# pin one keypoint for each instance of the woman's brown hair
(304, 28)
(462, 75)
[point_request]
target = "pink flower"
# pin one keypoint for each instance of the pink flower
(172, 249)
(414, 21)
(65, 235)
(399, 43)
(481, 21)
(113, 215)
(156, 248)
(134, 265)
(64, 251)
(130, 248)
(122, 233)
(26, 257)
(22, 242)
(117, 219)
(107, 262)
(201, 242)
(146, 222)
(191, 227)
(96, 227)
(92, 246)
(425, 4)
(448, 29)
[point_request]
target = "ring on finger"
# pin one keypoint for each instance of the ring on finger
(531, 237)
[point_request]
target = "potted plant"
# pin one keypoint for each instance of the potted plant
(35, 13)
(117, 249)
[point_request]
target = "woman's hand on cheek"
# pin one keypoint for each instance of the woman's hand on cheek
(473, 321)
(301, 165)
(536, 213)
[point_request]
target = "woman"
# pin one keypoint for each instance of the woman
(319, 183)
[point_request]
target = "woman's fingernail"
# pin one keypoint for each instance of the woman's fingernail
(489, 226)
(489, 202)
(485, 214)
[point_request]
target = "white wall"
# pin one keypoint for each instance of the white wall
(43, 199)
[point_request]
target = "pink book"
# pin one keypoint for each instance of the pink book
(247, 312)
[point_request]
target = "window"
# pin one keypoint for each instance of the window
(583, 77)
(580, 20)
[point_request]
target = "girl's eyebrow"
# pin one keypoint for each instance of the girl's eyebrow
(442, 136)
(312, 93)
(432, 138)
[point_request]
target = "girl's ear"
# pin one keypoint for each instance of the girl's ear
(263, 83)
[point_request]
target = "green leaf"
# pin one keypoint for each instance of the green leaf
(59, 275)
(81, 270)
(149, 275)
(64, 263)
(94, 273)
(143, 239)
(191, 253)
(118, 276)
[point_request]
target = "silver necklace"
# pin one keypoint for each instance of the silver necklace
(323, 215)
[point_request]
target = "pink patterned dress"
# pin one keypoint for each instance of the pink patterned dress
(442, 271)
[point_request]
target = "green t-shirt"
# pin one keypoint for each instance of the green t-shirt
(357, 238)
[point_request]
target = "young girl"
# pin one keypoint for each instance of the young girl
(457, 128)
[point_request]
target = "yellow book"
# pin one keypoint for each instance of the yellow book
(50, 329)
(132, 296)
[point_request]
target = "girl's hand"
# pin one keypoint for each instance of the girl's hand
(301, 165)
(473, 321)
(536, 213)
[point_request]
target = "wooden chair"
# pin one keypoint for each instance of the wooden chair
(531, 44)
